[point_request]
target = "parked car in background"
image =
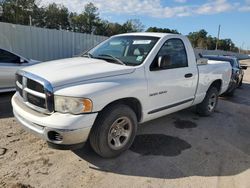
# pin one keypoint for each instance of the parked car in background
(237, 71)
(9, 64)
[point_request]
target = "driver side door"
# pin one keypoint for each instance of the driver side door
(171, 88)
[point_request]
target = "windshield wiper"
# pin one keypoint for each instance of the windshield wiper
(89, 55)
(113, 57)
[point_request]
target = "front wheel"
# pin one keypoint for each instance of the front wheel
(208, 105)
(113, 131)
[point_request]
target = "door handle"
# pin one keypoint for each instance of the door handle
(189, 75)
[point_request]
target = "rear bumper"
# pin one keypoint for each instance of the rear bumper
(61, 131)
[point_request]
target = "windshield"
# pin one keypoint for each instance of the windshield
(126, 50)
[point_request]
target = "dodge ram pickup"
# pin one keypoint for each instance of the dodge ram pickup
(102, 95)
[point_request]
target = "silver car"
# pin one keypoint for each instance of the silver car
(9, 64)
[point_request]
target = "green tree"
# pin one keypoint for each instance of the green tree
(56, 17)
(77, 22)
(18, 12)
(102, 28)
(87, 21)
(198, 39)
(114, 29)
(201, 40)
(92, 17)
(133, 25)
(211, 42)
(108, 28)
(162, 30)
(38, 17)
(226, 44)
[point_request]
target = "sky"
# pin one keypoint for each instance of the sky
(184, 15)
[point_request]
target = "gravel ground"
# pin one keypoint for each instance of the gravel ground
(178, 150)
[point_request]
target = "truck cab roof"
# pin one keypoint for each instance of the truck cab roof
(150, 34)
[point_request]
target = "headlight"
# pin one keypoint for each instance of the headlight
(72, 105)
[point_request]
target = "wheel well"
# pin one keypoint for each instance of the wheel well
(133, 103)
(217, 84)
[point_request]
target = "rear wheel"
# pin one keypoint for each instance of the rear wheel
(231, 93)
(208, 105)
(113, 131)
(240, 84)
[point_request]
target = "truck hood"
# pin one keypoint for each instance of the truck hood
(79, 69)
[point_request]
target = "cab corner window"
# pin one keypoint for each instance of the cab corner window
(171, 55)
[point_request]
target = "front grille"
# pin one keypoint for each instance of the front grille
(36, 92)
(19, 78)
(37, 101)
(31, 84)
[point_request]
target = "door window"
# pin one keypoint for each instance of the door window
(7, 57)
(174, 53)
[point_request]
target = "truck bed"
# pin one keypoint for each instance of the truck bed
(207, 73)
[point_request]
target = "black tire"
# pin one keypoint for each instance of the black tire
(231, 93)
(240, 84)
(101, 131)
(203, 108)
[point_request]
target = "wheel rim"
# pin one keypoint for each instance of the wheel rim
(212, 102)
(119, 133)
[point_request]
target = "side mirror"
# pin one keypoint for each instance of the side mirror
(200, 55)
(22, 60)
(159, 62)
(164, 61)
(244, 67)
(202, 61)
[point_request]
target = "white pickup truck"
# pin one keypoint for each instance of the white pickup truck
(105, 93)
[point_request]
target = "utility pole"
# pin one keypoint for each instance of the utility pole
(242, 47)
(1, 10)
(218, 38)
(30, 18)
